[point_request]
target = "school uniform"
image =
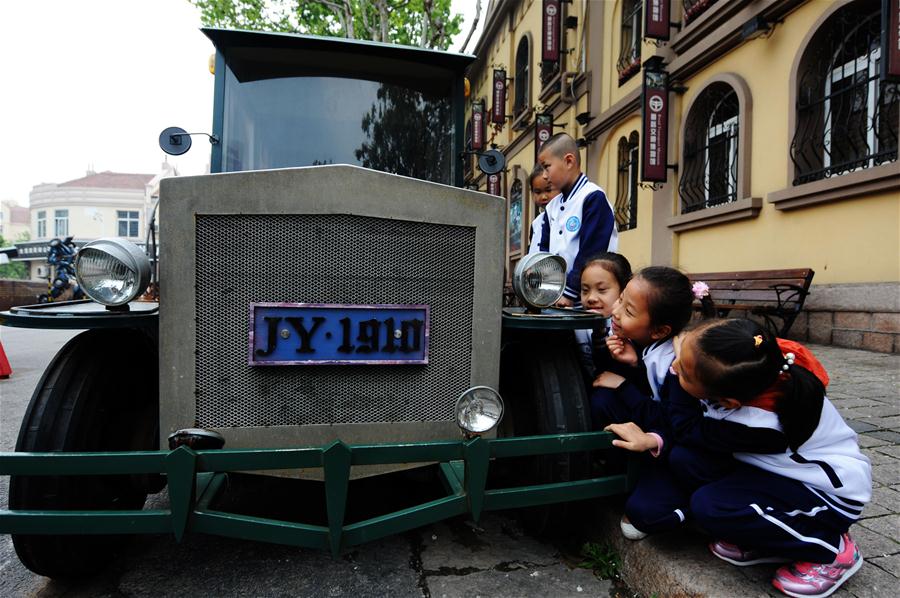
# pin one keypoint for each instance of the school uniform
(537, 234)
(790, 497)
(581, 224)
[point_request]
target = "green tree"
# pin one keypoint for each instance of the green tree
(12, 269)
(423, 23)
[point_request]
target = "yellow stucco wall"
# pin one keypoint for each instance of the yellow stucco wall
(853, 240)
(634, 244)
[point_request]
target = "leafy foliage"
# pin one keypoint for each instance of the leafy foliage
(423, 23)
(602, 559)
(12, 269)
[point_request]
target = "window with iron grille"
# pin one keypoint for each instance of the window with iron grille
(127, 223)
(523, 77)
(846, 116)
(61, 223)
(626, 192)
(629, 61)
(41, 224)
(694, 8)
(711, 150)
(467, 158)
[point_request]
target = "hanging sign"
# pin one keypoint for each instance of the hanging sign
(550, 31)
(890, 40)
(498, 110)
(543, 130)
(478, 125)
(493, 184)
(654, 124)
(656, 19)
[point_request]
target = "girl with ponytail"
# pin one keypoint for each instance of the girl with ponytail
(799, 480)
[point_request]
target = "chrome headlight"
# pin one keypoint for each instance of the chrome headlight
(479, 409)
(539, 279)
(112, 271)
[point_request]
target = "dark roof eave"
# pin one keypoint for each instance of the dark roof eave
(226, 38)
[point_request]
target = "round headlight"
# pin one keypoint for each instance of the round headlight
(112, 271)
(479, 409)
(539, 279)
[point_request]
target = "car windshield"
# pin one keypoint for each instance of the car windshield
(309, 120)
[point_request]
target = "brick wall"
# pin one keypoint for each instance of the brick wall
(19, 292)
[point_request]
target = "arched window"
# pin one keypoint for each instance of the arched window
(467, 158)
(846, 116)
(626, 191)
(710, 176)
(523, 77)
(514, 220)
(629, 61)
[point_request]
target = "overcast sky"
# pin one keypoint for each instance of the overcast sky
(91, 83)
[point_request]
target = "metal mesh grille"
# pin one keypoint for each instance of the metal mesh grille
(329, 259)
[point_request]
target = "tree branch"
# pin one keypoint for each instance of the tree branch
(474, 25)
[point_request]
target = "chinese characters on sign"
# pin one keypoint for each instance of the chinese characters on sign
(550, 31)
(654, 125)
(478, 125)
(493, 184)
(498, 110)
(543, 130)
(656, 19)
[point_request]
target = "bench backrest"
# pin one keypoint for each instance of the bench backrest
(757, 286)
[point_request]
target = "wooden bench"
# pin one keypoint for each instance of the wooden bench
(775, 295)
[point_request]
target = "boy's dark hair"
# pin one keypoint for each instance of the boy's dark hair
(614, 263)
(671, 299)
(733, 364)
(537, 171)
(561, 144)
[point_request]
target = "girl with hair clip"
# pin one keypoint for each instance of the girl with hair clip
(759, 394)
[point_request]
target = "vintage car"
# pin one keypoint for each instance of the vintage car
(330, 308)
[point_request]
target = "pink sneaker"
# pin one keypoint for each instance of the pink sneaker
(742, 558)
(818, 579)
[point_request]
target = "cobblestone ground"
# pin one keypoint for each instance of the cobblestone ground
(865, 387)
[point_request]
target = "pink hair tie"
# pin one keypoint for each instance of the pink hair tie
(700, 290)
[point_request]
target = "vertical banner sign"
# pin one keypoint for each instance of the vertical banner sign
(543, 130)
(654, 125)
(550, 31)
(493, 184)
(478, 125)
(498, 110)
(656, 19)
(890, 40)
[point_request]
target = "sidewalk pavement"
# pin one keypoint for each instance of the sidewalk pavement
(865, 387)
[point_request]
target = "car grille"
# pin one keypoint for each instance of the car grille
(242, 259)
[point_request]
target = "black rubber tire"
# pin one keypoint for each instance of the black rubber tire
(544, 387)
(100, 393)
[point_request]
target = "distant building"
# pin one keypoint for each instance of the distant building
(14, 220)
(100, 204)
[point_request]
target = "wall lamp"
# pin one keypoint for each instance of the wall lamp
(756, 28)
(584, 118)
(571, 22)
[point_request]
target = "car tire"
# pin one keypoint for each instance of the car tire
(100, 393)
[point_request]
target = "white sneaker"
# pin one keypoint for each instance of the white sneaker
(631, 532)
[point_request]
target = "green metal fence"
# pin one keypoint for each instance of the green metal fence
(196, 477)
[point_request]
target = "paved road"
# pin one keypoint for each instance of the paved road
(455, 558)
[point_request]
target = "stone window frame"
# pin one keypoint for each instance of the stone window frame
(878, 179)
(745, 206)
(41, 224)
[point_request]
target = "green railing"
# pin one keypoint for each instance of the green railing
(195, 478)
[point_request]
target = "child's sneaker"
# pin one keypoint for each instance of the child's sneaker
(742, 558)
(631, 532)
(817, 579)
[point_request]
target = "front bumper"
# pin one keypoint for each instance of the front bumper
(196, 477)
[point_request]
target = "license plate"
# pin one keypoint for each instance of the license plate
(330, 334)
